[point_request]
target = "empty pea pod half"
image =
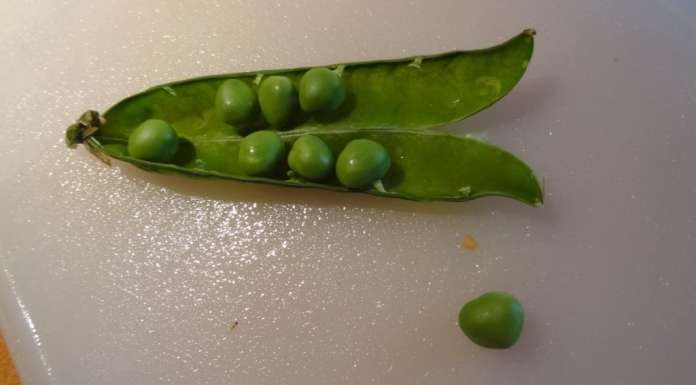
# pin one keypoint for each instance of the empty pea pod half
(362, 127)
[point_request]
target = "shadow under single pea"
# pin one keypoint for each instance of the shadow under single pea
(185, 154)
(280, 171)
(297, 119)
(344, 110)
(394, 177)
(246, 128)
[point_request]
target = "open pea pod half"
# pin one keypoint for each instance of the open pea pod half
(425, 165)
(411, 93)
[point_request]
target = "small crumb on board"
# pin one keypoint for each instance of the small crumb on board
(233, 325)
(469, 243)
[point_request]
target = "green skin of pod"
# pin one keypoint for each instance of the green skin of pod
(493, 320)
(321, 90)
(235, 101)
(260, 153)
(362, 162)
(311, 158)
(154, 140)
(277, 99)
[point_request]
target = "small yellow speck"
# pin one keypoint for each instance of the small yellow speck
(469, 243)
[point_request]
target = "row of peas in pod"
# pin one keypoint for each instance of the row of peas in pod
(360, 163)
(320, 90)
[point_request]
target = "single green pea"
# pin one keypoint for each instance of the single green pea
(277, 98)
(321, 90)
(153, 140)
(362, 162)
(493, 320)
(311, 158)
(260, 152)
(235, 101)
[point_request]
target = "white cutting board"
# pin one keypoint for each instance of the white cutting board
(117, 276)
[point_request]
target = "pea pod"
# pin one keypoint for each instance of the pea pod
(392, 103)
(425, 165)
(412, 93)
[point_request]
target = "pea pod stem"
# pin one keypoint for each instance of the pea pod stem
(82, 131)
(86, 125)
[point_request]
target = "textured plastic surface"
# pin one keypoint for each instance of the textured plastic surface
(114, 275)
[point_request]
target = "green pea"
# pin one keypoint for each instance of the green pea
(153, 140)
(260, 153)
(235, 101)
(277, 99)
(311, 158)
(321, 90)
(362, 162)
(493, 320)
